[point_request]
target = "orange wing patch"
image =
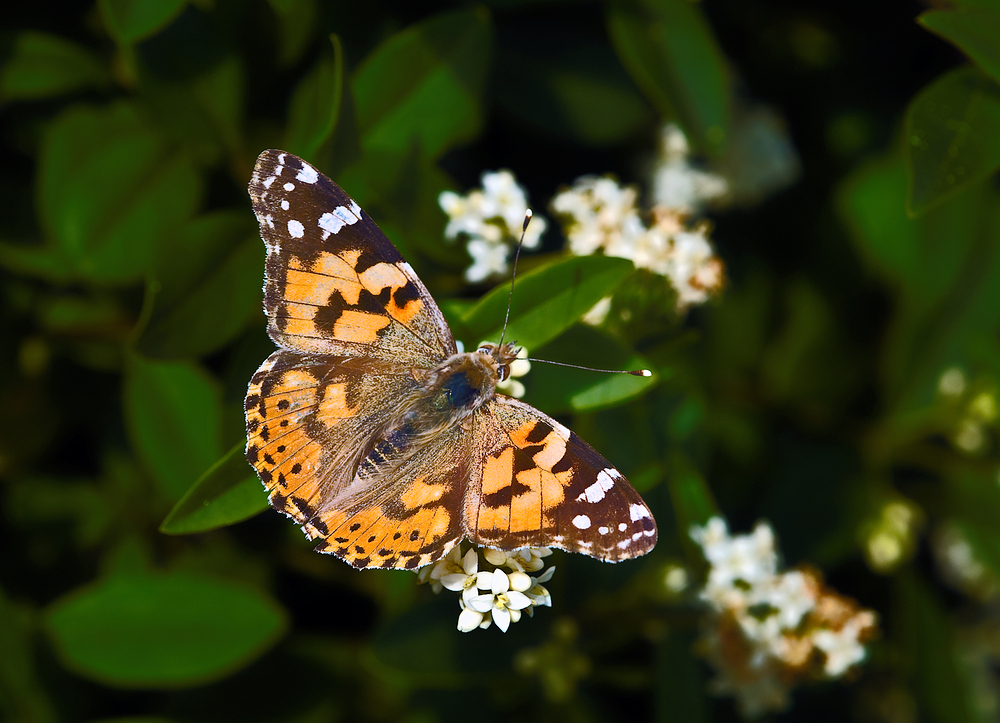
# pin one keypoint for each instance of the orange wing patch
(521, 483)
(389, 537)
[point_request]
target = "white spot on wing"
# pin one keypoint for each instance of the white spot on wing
(622, 527)
(296, 231)
(289, 186)
(603, 530)
(596, 491)
(269, 181)
(637, 512)
(341, 216)
(281, 160)
(581, 522)
(270, 220)
(307, 174)
(284, 205)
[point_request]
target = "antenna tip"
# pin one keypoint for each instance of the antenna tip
(643, 373)
(527, 218)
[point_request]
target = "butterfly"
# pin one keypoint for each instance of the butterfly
(371, 430)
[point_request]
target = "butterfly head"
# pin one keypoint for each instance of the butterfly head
(502, 355)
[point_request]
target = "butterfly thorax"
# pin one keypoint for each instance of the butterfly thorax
(444, 396)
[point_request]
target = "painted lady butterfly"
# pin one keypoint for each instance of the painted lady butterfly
(370, 429)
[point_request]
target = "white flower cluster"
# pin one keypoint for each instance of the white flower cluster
(491, 219)
(676, 183)
(599, 214)
(769, 630)
(507, 593)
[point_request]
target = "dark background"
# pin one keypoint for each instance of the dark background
(804, 394)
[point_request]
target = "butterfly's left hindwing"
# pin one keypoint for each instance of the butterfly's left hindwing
(538, 484)
(313, 426)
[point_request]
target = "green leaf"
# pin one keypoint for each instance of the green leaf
(22, 697)
(692, 499)
(44, 66)
(425, 85)
(296, 25)
(945, 690)
(976, 32)
(162, 631)
(200, 108)
(547, 300)
(555, 83)
(221, 265)
(315, 105)
(229, 492)
(130, 20)
(952, 137)
(872, 202)
(36, 260)
(174, 414)
(110, 192)
(669, 50)
(558, 389)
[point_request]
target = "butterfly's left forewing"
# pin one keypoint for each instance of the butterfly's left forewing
(534, 483)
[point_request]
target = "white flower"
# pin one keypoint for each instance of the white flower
(538, 594)
(505, 604)
(469, 619)
(488, 259)
(692, 267)
(492, 219)
(676, 184)
(842, 647)
(598, 214)
(765, 626)
(466, 580)
(449, 564)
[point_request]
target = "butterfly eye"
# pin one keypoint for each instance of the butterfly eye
(503, 372)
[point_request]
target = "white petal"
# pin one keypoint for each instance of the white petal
(517, 600)
(515, 615)
(502, 618)
(494, 557)
(470, 563)
(481, 603)
(546, 576)
(501, 583)
(484, 580)
(469, 620)
(519, 581)
(454, 581)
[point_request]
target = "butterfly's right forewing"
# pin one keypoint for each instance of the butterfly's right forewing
(334, 283)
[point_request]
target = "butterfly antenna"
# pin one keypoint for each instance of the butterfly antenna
(633, 372)
(513, 275)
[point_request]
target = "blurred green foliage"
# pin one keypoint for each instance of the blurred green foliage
(812, 392)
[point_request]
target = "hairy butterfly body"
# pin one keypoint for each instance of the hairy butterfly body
(371, 430)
